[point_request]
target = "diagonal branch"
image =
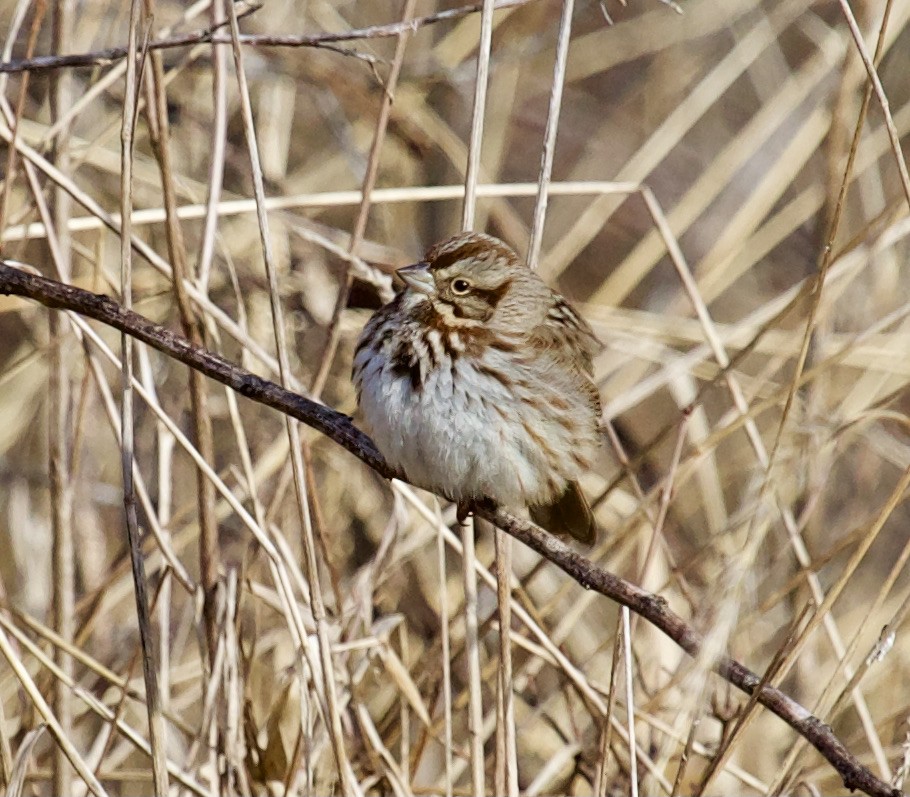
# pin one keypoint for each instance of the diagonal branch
(338, 427)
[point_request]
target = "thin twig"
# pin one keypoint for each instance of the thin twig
(320, 40)
(505, 684)
(40, 7)
(326, 199)
(477, 117)
(549, 143)
(876, 85)
(146, 635)
(219, 146)
(64, 552)
(445, 655)
(630, 697)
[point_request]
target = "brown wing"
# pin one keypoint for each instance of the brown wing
(567, 336)
(570, 514)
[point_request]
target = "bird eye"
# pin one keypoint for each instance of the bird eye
(460, 286)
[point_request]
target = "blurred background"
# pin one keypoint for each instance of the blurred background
(753, 471)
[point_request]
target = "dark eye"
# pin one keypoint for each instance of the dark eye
(460, 286)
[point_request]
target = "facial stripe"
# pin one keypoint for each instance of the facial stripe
(478, 304)
(493, 296)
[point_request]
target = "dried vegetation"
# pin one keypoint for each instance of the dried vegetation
(759, 451)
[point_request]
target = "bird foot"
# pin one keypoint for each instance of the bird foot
(469, 506)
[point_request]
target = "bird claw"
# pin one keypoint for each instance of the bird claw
(464, 510)
(470, 506)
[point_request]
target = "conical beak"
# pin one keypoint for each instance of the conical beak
(418, 277)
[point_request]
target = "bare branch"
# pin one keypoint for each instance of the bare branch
(339, 428)
(326, 41)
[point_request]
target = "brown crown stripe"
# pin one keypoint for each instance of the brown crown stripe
(467, 250)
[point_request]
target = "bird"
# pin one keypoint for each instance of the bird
(475, 382)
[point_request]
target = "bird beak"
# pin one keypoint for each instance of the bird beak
(419, 278)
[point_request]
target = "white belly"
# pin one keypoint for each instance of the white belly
(463, 441)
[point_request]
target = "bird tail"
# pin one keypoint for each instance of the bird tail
(570, 514)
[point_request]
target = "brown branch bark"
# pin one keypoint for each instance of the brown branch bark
(339, 428)
(208, 35)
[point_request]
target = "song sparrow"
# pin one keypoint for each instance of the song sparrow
(475, 381)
